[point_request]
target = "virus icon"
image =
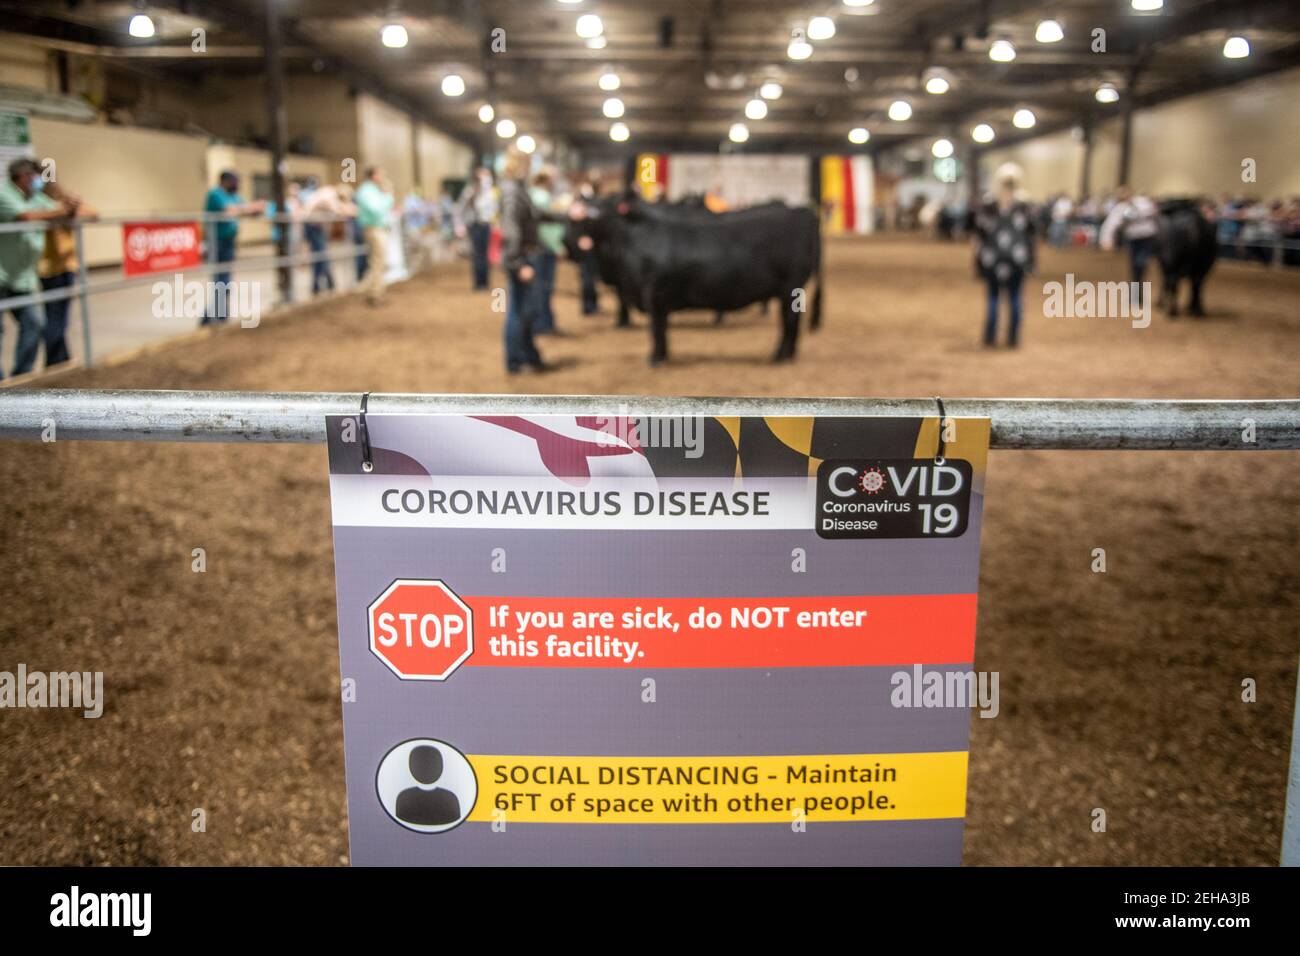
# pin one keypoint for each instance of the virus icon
(871, 481)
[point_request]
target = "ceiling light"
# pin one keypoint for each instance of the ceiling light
(1002, 51)
(506, 128)
(942, 148)
(589, 25)
(453, 85)
(755, 109)
(1146, 6)
(1236, 48)
(859, 135)
(858, 3)
(936, 85)
(394, 35)
(140, 26)
(486, 113)
(596, 43)
(771, 90)
(821, 28)
(983, 133)
(799, 49)
(738, 133)
(526, 143)
(1106, 93)
(613, 108)
(609, 81)
(1049, 31)
(900, 110)
(1024, 119)
(619, 132)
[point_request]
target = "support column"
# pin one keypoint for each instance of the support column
(279, 137)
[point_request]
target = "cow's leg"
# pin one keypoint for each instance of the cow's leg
(1171, 295)
(659, 336)
(624, 316)
(1195, 308)
(718, 317)
(789, 330)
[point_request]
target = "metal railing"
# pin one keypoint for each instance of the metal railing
(82, 289)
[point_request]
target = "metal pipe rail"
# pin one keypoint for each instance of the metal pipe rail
(1017, 423)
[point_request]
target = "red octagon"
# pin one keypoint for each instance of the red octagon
(421, 630)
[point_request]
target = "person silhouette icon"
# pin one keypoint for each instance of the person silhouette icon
(427, 807)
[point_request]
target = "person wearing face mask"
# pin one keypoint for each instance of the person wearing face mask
(477, 211)
(23, 199)
(224, 199)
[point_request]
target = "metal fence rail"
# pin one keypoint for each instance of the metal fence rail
(1017, 423)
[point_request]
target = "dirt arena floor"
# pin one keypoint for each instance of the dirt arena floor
(1120, 691)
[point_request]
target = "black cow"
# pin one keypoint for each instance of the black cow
(663, 260)
(1186, 246)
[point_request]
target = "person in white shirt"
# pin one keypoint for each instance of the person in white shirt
(1137, 219)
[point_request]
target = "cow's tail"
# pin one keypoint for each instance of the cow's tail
(815, 320)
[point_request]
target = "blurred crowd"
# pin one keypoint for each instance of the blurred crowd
(1247, 228)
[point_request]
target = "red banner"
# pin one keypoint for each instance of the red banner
(160, 246)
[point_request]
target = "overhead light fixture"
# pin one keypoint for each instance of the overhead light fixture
(612, 108)
(821, 28)
(1002, 51)
(1236, 48)
(983, 133)
(571, 1)
(596, 43)
(1106, 93)
(589, 25)
(393, 36)
(1146, 6)
(486, 113)
(859, 135)
(799, 48)
(738, 133)
(619, 132)
(1024, 119)
(936, 85)
(526, 144)
(858, 3)
(609, 81)
(942, 148)
(506, 128)
(141, 26)
(771, 90)
(900, 110)
(453, 84)
(755, 109)
(1049, 31)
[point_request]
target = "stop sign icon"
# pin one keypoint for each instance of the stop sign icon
(420, 629)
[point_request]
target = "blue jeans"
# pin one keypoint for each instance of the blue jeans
(521, 313)
(221, 284)
(1139, 251)
(56, 319)
(359, 238)
(1012, 287)
(322, 279)
(30, 322)
(480, 236)
(545, 289)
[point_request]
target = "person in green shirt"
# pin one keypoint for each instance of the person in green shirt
(550, 236)
(374, 206)
(23, 200)
(224, 199)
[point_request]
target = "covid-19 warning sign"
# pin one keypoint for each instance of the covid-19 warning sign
(622, 640)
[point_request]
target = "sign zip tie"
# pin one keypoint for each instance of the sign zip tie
(943, 415)
(367, 464)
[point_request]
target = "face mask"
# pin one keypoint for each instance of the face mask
(37, 185)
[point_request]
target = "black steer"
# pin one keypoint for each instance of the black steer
(1186, 246)
(663, 260)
